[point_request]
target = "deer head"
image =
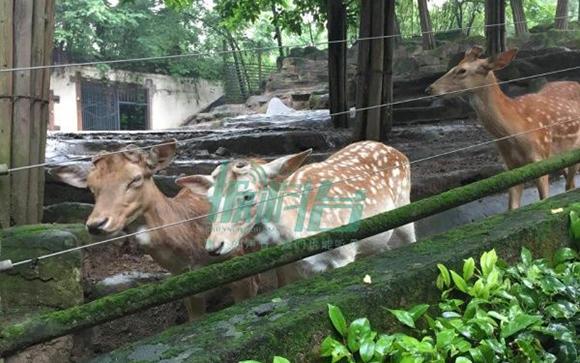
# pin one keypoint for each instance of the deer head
(121, 183)
(471, 72)
(239, 192)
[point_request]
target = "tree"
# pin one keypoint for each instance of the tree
(426, 28)
(519, 16)
(495, 26)
(337, 24)
(561, 20)
(374, 84)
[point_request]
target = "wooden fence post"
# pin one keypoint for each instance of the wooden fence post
(6, 61)
(26, 30)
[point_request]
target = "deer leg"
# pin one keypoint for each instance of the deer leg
(570, 174)
(195, 306)
(406, 233)
(245, 288)
(515, 196)
(543, 184)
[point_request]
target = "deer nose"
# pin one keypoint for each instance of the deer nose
(216, 250)
(429, 90)
(96, 227)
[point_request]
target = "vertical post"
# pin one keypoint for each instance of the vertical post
(36, 120)
(260, 75)
(79, 99)
(426, 28)
(561, 20)
(495, 26)
(337, 61)
(387, 112)
(519, 16)
(22, 121)
(6, 61)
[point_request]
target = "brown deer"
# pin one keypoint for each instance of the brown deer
(125, 194)
(557, 103)
(359, 181)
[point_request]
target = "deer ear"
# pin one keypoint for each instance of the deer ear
(198, 184)
(502, 60)
(75, 175)
(473, 54)
(161, 155)
(286, 165)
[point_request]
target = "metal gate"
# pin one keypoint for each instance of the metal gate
(113, 106)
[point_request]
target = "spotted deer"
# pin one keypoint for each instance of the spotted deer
(125, 195)
(557, 104)
(359, 181)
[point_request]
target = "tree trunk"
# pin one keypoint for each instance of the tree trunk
(337, 62)
(369, 125)
(241, 83)
(275, 21)
(561, 21)
(426, 28)
(362, 89)
(495, 29)
(519, 15)
(389, 50)
(398, 34)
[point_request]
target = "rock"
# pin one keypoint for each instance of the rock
(67, 212)
(256, 103)
(55, 283)
(319, 102)
(222, 151)
(277, 107)
(124, 281)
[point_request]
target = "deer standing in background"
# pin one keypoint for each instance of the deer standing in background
(367, 175)
(125, 192)
(556, 103)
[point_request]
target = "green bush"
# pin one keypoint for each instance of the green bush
(488, 312)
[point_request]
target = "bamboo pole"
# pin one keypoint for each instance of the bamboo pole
(21, 119)
(6, 61)
(51, 325)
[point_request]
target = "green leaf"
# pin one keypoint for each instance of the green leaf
(280, 360)
(334, 349)
(526, 256)
(564, 255)
(528, 350)
(250, 361)
(404, 317)
(367, 349)
(445, 337)
(417, 311)
(575, 225)
(384, 344)
(463, 360)
(337, 319)
(357, 330)
(468, 268)
(444, 274)
(459, 281)
(519, 323)
(487, 262)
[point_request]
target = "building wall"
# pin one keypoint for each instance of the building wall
(171, 100)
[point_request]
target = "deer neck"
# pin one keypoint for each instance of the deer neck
(494, 109)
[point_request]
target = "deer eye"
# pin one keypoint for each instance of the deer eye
(248, 197)
(135, 182)
(461, 71)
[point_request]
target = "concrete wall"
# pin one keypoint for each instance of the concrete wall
(172, 99)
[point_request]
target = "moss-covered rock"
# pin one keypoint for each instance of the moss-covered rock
(67, 212)
(51, 284)
(292, 321)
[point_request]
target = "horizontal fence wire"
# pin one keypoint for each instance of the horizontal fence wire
(283, 195)
(245, 50)
(519, 79)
